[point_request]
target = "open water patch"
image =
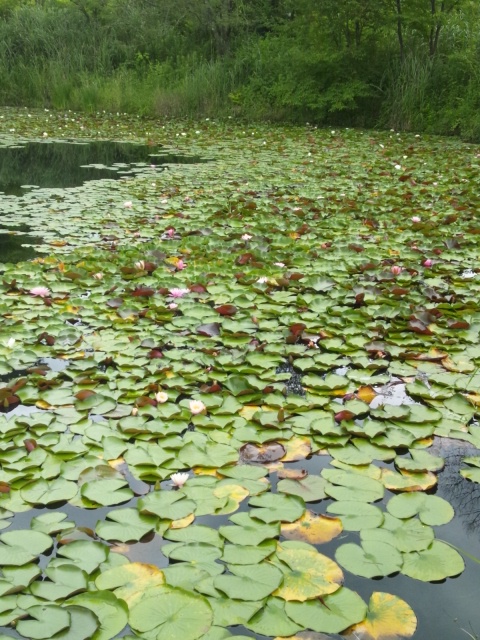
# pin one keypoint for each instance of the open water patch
(65, 164)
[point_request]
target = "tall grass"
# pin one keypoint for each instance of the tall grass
(140, 60)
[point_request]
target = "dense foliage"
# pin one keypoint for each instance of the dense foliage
(409, 64)
(230, 391)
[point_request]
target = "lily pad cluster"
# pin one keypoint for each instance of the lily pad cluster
(230, 320)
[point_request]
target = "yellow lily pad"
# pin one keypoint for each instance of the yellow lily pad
(313, 528)
(388, 618)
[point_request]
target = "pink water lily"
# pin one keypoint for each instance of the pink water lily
(416, 219)
(428, 262)
(180, 265)
(246, 236)
(40, 292)
(178, 293)
(396, 270)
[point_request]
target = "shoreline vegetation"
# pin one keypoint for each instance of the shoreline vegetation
(409, 65)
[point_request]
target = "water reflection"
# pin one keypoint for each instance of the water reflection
(66, 164)
(12, 249)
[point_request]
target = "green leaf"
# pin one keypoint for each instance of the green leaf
(164, 612)
(125, 525)
(372, 559)
(23, 546)
(437, 562)
(171, 505)
(272, 620)
(48, 620)
(310, 488)
(431, 510)
(249, 582)
(111, 612)
(249, 530)
(356, 516)
(332, 614)
(277, 507)
(45, 493)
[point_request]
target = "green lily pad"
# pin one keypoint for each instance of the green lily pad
(165, 612)
(431, 510)
(437, 562)
(249, 582)
(372, 559)
(333, 614)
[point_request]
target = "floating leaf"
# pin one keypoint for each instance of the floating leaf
(249, 582)
(388, 617)
(332, 614)
(111, 612)
(313, 528)
(48, 620)
(356, 516)
(372, 559)
(437, 562)
(125, 525)
(19, 547)
(272, 507)
(309, 575)
(431, 510)
(165, 612)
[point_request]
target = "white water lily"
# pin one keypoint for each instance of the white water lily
(10, 343)
(179, 479)
(196, 406)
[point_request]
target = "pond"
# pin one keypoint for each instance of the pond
(64, 164)
(246, 391)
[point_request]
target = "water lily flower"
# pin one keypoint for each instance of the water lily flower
(41, 292)
(398, 167)
(428, 262)
(170, 232)
(246, 236)
(396, 270)
(172, 305)
(196, 406)
(98, 276)
(279, 264)
(416, 219)
(262, 280)
(140, 265)
(128, 204)
(178, 293)
(180, 265)
(179, 479)
(10, 343)
(161, 397)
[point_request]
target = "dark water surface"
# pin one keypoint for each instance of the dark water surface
(59, 165)
(65, 164)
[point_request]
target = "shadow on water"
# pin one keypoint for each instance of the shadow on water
(12, 247)
(69, 164)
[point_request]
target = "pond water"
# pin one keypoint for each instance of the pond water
(25, 168)
(193, 285)
(53, 165)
